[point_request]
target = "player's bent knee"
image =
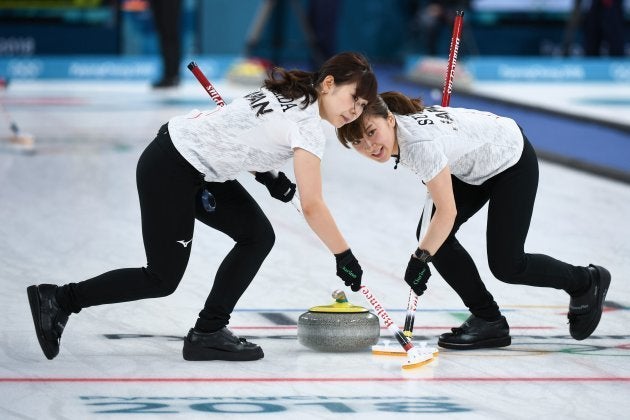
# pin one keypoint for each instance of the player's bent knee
(269, 237)
(506, 273)
(262, 235)
(161, 284)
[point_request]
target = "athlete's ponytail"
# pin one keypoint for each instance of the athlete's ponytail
(401, 104)
(345, 68)
(292, 84)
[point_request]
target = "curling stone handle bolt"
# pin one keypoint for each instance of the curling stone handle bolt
(339, 296)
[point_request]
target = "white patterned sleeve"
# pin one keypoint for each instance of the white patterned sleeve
(310, 137)
(426, 159)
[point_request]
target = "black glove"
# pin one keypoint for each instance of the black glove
(279, 187)
(418, 272)
(349, 270)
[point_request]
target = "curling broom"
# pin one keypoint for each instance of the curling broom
(412, 302)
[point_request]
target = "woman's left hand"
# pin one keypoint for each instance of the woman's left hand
(280, 187)
(417, 275)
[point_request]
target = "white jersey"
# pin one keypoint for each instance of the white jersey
(255, 133)
(475, 145)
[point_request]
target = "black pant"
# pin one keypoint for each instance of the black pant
(170, 189)
(510, 196)
(166, 17)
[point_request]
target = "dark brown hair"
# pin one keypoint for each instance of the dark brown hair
(346, 68)
(384, 103)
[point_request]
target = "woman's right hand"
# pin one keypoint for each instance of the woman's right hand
(349, 270)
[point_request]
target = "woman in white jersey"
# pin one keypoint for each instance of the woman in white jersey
(189, 173)
(468, 158)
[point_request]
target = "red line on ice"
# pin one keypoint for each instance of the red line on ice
(310, 379)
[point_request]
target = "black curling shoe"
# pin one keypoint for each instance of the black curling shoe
(48, 317)
(219, 345)
(585, 310)
(476, 333)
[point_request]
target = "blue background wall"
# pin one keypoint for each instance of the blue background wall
(379, 28)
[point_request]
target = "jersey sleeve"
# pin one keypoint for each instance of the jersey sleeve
(309, 136)
(426, 159)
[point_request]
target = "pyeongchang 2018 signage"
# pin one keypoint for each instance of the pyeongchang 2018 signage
(100, 67)
(549, 70)
(77, 68)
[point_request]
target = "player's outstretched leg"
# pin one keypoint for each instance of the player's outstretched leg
(48, 317)
(477, 333)
(219, 345)
(585, 310)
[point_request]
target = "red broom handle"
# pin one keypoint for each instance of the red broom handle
(452, 58)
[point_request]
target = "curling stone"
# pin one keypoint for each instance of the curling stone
(339, 327)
